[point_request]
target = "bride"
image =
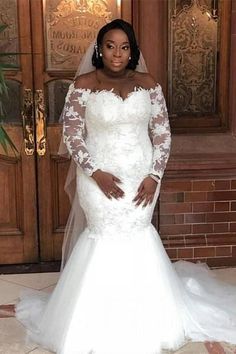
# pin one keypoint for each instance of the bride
(119, 292)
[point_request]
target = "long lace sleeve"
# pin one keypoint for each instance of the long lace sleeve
(74, 128)
(159, 130)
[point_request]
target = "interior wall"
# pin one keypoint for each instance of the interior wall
(197, 208)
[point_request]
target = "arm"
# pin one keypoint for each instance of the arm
(74, 130)
(74, 133)
(159, 130)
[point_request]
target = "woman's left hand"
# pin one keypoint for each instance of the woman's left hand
(146, 191)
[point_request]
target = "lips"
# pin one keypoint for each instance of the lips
(117, 63)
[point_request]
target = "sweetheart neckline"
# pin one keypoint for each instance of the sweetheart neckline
(130, 94)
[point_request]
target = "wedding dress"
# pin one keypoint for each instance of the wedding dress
(119, 292)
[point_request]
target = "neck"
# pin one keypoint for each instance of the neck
(113, 75)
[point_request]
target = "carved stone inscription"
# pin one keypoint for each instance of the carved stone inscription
(71, 25)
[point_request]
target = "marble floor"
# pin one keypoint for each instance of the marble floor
(12, 333)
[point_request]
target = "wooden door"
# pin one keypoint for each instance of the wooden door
(53, 35)
(50, 85)
(18, 207)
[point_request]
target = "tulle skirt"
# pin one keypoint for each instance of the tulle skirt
(122, 295)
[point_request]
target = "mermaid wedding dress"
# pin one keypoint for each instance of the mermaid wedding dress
(119, 292)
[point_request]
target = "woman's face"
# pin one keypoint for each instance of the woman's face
(115, 50)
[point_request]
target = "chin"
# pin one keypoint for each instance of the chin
(118, 68)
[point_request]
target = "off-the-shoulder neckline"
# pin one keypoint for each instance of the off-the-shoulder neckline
(136, 89)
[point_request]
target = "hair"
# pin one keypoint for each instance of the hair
(128, 29)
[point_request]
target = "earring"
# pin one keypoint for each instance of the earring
(129, 58)
(100, 54)
(96, 50)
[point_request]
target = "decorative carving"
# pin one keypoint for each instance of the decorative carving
(192, 57)
(41, 129)
(9, 37)
(27, 120)
(71, 25)
(67, 7)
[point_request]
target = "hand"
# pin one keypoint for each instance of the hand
(146, 191)
(108, 184)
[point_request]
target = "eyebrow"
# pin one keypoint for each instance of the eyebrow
(110, 40)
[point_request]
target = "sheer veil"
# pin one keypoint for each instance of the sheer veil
(77, 222)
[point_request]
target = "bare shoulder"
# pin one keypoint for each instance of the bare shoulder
(146, 80)
(86, 81)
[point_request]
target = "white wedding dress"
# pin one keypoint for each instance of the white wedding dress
(119, 292)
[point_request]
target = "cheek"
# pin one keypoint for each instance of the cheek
(106, 54)
(128, 54)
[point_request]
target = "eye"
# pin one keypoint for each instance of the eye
(109, 46)
(125, 47)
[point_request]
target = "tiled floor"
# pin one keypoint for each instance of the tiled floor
(12, 333)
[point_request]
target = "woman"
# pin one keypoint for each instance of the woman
(119, 293)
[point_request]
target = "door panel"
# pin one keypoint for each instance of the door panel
(50, 218)
(10, 191)
(18, 212)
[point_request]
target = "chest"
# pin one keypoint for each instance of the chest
(106, 109)
(122, 88)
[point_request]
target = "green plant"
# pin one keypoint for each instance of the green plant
(5, 140)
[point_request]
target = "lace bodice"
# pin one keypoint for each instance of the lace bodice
(85, 119)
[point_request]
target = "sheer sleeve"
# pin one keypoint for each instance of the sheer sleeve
(74, 128)
(159, 130)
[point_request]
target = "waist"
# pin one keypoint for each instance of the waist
(124, 159)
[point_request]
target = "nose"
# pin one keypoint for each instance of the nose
(117, 52)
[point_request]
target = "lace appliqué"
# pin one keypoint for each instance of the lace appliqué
(159, 130)
(74, 128)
